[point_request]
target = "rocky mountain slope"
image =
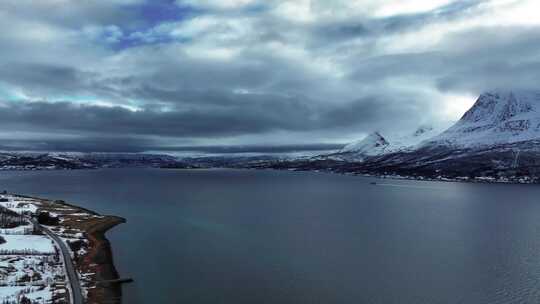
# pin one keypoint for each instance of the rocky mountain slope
(371, 145)
(375, 144)
(497, 139)
(499, 117)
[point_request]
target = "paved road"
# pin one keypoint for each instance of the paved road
(75, 283)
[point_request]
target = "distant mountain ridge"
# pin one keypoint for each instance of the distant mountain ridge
(497, 139)
(79, 160)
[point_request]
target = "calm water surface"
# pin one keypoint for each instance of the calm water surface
(230, 236)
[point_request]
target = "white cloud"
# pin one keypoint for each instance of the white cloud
(217, 4)
(391, 8)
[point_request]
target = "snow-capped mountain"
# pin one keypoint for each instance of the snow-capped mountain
(498, 139)
(373, 144)
(376, 144)
(497, 118)
(409, 142)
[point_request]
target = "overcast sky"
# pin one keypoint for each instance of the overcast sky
(139, 75)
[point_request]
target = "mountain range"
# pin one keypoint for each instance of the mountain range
(497, 139)
(376, 144)
(76, 160)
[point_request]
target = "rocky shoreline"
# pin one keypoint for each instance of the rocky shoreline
(84, 231)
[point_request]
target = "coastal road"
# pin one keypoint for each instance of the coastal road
(73, 278)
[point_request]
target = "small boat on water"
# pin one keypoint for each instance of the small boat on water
(373, 183)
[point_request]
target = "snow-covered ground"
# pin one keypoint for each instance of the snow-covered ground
(18, 255)
(18, 270)
(29, 264)
(21, 244)
(15, 293)
(19, 230)
(20, 205)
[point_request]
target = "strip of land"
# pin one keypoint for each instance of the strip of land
(58, 231)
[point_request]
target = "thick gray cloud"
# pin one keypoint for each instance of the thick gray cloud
(272, 149)
(82, 144)
(244, 114)
(140, 75)
(480, 59)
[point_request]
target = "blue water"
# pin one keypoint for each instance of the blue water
(232, 236)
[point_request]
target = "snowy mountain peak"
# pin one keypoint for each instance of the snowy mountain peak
(497, 117)
(373, 144)
(499, 106)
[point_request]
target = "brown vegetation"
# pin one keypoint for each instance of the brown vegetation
(97, 258)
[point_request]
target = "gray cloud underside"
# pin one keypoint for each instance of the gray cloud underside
(378, 27)
(245, 114)
(82, 144)
(140, 145)
(259, 91)
(473, 61)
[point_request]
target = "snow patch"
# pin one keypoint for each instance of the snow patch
(31, 244)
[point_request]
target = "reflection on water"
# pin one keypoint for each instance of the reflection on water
(229, 236)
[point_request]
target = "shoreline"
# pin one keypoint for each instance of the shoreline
(94, 258)
(463, 180)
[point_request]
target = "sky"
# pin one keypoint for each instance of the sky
(251, 75)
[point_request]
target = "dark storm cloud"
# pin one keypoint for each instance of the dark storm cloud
(250, 148)
(138, 145)
(80, 144)
(249, 114)
(374, 112)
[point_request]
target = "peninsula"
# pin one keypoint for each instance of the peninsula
(54, 251)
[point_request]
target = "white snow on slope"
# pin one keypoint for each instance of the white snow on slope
(498, 117)
(411, 141)
(373, 144)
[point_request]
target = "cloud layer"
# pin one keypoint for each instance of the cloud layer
(139, 75)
